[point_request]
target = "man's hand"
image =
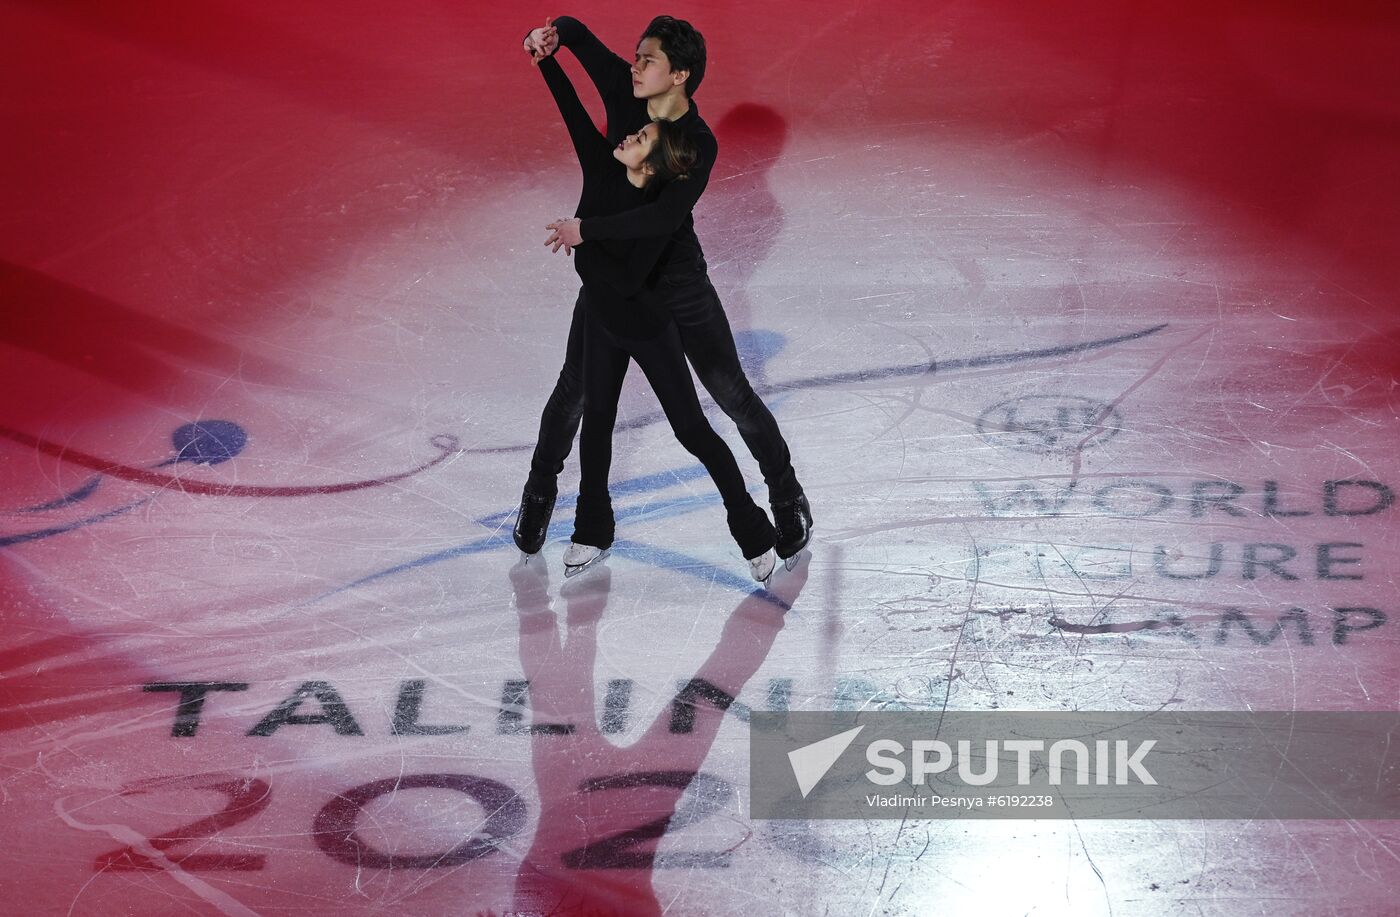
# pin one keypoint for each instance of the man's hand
(564, 233)
(542, 42)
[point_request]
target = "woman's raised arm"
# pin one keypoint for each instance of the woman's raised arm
(591, 146)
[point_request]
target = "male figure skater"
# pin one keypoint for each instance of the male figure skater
(660, 83)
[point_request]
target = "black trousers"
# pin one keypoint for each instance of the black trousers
(605, 361)
(708, 342)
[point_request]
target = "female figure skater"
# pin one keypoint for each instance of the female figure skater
(625, 321)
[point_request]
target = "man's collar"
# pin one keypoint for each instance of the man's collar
(690, 107)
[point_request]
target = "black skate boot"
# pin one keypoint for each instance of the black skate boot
(793, 519)
(532, 522)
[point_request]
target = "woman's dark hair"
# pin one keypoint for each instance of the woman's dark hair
(671, 158)
(684, 47)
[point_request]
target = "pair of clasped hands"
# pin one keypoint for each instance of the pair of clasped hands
(542, 43)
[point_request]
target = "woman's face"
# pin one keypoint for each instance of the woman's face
(634, 148)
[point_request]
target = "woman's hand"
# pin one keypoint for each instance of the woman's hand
(542, 42)
(564, 233)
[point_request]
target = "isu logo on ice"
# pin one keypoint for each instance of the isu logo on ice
(1049, 424)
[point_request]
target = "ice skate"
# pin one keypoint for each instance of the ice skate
(532, 522)
(793, 520)
(579, 557)
(761, 567)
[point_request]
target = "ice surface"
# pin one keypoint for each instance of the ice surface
(1078, 322)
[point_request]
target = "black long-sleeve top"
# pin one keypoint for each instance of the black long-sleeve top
(617, 275)
(670, 214)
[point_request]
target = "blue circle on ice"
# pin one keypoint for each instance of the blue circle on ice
(208, 442)
(758, 346)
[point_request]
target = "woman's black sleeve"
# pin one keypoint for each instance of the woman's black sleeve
(591, 146)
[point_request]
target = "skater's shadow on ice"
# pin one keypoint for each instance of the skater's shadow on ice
(604, 808)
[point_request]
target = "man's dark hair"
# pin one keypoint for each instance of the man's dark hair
(684, 47)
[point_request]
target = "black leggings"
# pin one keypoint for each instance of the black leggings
(605, 361)
(709, 344)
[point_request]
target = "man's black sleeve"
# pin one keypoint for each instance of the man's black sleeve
(610, 74)
(667, 213)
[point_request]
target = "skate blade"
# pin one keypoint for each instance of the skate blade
(576, 569)
(790, 562)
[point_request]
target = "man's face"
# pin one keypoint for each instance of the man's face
(651, 72)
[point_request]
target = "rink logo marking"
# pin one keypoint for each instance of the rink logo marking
(331, 709)
(1049, 424)
(705, 795)
(38, 534)
(1330, 561)
(247, 797)
(319, 704)
(1346, 621)
(203, 442)
(698, 796)
(77, 495)
(446, 444)
(1209, 497)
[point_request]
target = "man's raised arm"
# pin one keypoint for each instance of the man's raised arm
(610, 74)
